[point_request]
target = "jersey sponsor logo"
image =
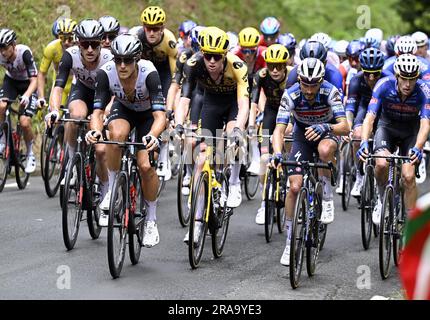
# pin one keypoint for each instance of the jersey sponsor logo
(183, 57)
(74, 51)
(108, 68)
(336, 97)
(427, 106)
(298, 155)
(105, 56)
(425, 89)
(237, 65)
(402, 108)
(191, 61)
(172, 44)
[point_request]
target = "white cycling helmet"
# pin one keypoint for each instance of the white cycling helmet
(420, 38)
(324, 38)
(405, 44)
(407, 66)
(311, 70)
(375, 33)
(134, 30)
(340, 48)
(233, 40)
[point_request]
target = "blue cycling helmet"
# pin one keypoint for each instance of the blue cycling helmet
(372, 59)
(288, 41)
(313, 49)
(195, 45)
(354, 48)
(186, 27)
(270, 26)
(389, 45)
(55, 29)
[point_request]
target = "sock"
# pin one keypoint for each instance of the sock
(111, 176)
(263, 204)
(327, 190)
(235, 171)
(151, 209)
(289, 226)
(30, 147)
(254, 150)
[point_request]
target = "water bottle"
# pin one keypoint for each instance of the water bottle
(311, 206)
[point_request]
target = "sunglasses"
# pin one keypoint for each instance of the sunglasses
(215, 56)
(128, 60)
(66, 38)
(153, 29)
(248, 51)
(278, 66)
(87, 44)
(109, 36)
(4, 46)
(312, 83)
(376, 73)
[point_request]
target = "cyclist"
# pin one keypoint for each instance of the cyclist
(271, 81)
(54, 29)
(340, 49)
(53, 52)
(269, 28)
(326, 41)
(389, 45)
(233, 40)
(359, 95)
(422, 42)
(20, 79)
(184, 41)
(111, 29)
(138, 103)
(289, 42)
(226, 99)
(403, 100)
(315, 49)
(83, 60)
(317, 108)
(353, 50)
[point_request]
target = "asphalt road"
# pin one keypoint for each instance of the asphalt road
(34, 263)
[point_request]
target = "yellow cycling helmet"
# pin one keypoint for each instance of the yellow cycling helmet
(214, 40)
(153, 15)
(276, 53)
(249, 37)
(66, 25)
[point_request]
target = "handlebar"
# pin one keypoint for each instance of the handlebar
(318, 165)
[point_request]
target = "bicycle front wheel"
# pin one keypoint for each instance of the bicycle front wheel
(198, 226)
(398, 228)
(117, 229)
(251, 185)
(136, 222)
(385, 233)
(297, 244)
(269, 204)
(367, 205)
(4, 155)
(54, 156)
(313, 246)
(182, 200)
(21, 176)
(93, 214)
(348, 177)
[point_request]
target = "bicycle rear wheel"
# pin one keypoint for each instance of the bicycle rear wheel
(137, 218)
(46, 141)
(347, 172)
(280, 204)
(398, 228)
(367, 205)
(269, 204)
(117, 229)
(93, 214)
(297, 244)
(385, 233)
(182, 200)
(21, 176)
(222, 220)
(5, 155)
(198, 225)
(72, 204)
(54, 156)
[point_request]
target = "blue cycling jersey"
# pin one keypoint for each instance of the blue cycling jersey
(359, 92)
(386, 99)
(332, 75)
(327, 107)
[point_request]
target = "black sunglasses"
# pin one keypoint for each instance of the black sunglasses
(215, 56)
(278, 66)
(248, 51)
(376, 74)
(154, 29)
(110, 36)
(87, 44)
(128, 60)
(4, 45)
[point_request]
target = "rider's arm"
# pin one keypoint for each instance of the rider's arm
(176, 81)
(43, 70)
(188, 86)
(158, 106)
(341, 128)
(353, 99)
(255, 97)
(101, 100)
(282, 121)
(30, 65)
(64, 68)
(242, 95)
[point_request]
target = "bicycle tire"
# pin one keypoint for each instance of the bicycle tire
(200, 192)
(43, 151)
(93, 214)
(313, 246)
(280, 208)
(269, 205)
(117, 218)
(347, 173)
(297, 244)
(385, 239)
(219, 235)
(251, 185)
(21, 176)
(73, 196)
(398, 229)
(181, 200)
(64, 165)
(5, 156)
(367, 205)
(54, 156)
(137, 218)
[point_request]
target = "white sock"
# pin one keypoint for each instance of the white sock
(327, 189)
(30, 147)
(263, 204)
(289, 226)
(152, 208)
(111, 176)
(235, 171)
(163, 153)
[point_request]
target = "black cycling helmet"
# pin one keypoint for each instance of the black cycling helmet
(372, 59)
(313, 49)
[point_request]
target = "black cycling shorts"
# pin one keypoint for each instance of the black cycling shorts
(12, 88)
(142, 121)
(269, 123)
(81, 92)
(391, 137)
(303, 149)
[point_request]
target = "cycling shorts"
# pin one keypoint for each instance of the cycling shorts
(11, 88)
(390, 137)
